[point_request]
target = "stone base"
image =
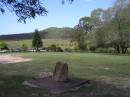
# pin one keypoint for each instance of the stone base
(54, 86)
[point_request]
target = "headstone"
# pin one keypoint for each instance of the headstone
(58, 82)
(61, 72)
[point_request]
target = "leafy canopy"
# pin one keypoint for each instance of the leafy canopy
(25, 9)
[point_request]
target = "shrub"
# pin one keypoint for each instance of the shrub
(68, 50)
(92, 48)
(82, 45)
(24, 47)
(3, 46)
(59, 49)
(54, 48)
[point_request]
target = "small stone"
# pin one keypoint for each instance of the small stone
(61, 72)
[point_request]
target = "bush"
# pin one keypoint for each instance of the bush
(82, 46)
(59, 49)
(54, 48)
(68, 50)
(24, 47)
(92, 48)
(3, 46)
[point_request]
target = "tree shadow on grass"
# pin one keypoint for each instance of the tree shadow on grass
(99, 89)
(115, 54)
(11, 86)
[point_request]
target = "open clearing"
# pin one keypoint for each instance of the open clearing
(5, 59)
(109, 75)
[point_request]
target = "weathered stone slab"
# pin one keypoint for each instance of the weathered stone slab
(61, 72)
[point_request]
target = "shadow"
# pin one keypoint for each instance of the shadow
(115, 54)
(11, 86)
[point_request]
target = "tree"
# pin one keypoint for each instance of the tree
(97, 17)
(79, 36)
(111, 26)
(86, 24)
(3, 46)
(37, 41)
(99, 34)
(25, 9)
(120, 23)
(80, 32)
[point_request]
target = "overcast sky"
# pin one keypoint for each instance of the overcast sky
(58, 16)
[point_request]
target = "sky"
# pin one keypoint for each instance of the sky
(59, 15)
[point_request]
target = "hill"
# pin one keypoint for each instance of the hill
(49, 33)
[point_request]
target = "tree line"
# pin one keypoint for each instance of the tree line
(105, 28)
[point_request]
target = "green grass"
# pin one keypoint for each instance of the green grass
(46, 42)
(109, 74)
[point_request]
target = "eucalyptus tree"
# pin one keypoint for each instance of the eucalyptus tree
(120, 25)
(98, 34)
(112, 26)
(81, 30)
(37, 41)
(25, 9)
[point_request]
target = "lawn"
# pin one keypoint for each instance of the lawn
(109, 75)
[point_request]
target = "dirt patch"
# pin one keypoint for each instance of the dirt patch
(6, 59)
(56, 87)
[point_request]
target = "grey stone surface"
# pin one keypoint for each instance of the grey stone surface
(61, 72)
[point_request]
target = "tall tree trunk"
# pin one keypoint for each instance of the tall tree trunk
(124, 49)
(118, 49)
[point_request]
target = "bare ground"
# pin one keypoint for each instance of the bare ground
(6, 59)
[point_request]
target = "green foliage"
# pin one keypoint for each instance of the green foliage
(59, 49)
(3, 45)
(24, 47)
(111, 27)
(81, 31)
(54, 48)
(24, 9)
(79, 36)
(92, 48)
(68, 50)
(86, 24)
(37, 41)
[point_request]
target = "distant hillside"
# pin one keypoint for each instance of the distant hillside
(54, 33)
(49, 33)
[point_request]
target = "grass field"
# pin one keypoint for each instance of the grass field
(46, 42)
(109, 75)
